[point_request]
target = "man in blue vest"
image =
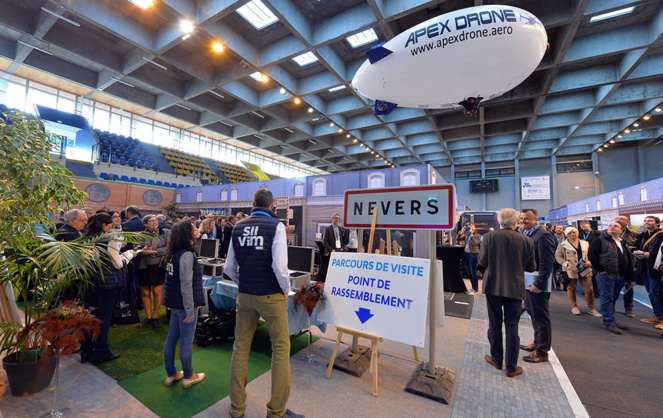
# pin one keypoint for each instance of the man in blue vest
(258, 262)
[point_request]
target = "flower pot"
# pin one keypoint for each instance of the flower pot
(26, 379)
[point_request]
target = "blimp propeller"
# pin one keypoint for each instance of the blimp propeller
(455, 60)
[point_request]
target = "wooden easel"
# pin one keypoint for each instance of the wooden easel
(374, 353)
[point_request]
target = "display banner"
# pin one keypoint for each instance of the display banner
(535, 188)
(410, 207)
(380, 295)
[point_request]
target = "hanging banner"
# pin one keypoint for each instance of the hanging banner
(535, 188)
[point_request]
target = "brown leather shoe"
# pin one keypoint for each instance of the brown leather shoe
(535, 358)
(518, 372)
(529, 348)
(489, 360)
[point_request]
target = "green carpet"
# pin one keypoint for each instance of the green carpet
(141, 349)
(214, 361)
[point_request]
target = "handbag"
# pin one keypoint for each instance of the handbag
(563, 278)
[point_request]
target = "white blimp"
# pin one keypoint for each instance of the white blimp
(457, 59)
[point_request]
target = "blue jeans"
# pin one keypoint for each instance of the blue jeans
(610, 285)
(471, 261)
(184, 333)
(651, 283)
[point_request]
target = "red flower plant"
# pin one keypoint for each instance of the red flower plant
(62, 328)
(309, 296)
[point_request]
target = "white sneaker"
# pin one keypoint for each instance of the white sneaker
(575, 311)
(471, 293)
(595, 313)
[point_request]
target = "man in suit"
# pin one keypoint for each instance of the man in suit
(334, 238)
(133, 222)
(538, 294)
(506, 254)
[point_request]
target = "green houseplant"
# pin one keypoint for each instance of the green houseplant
(33, 263)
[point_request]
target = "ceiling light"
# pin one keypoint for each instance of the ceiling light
(311, 141)
(185, 37)
(182, 106)
(310, 110)
(155, 63)
(577, 187)
(218, 46)
(258, 114)
(34, 47)
(297, 100)
(605, 145)
(227, 124)
(612, 14)
(362, 38)
(367, 148)
(636, 124)
(283, 146)
(620, 136)
(123, 82)
(354, 140)
(372, 152)
(600, 150)
(612, 141)
(332, 124)
(305, 59)
(646, 117)
(340, 130)
(627, 131)
(289, 130)
(143, 4)
(217, 94)
(347, 135)
(257, 14)
(282, 91)
(337, 88)
(658, 109)
(186, 26)
(260, 77)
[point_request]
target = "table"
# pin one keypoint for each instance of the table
(224, 296)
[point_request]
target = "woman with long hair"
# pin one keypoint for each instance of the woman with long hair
(102, 294)
(150, 271)
(183, 295)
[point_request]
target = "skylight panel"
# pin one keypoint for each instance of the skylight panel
(143, 4)
(257, 14)
(362, 38)
(305, 59)
(612, 14)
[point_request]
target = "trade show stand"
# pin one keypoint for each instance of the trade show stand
(224, 293)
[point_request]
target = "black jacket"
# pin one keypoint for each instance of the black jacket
(134, 224)
(603, 253)
(67, 233)
(545, 245)
(652, 248)
(329, 238)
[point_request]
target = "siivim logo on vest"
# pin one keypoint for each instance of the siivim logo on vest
(250, 238)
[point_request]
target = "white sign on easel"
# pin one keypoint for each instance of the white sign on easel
(379, 295)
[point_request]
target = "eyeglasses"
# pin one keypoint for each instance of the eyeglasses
(116, 216)
(153, 220)
(82, 220)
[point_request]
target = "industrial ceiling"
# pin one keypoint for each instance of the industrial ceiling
(597, 79)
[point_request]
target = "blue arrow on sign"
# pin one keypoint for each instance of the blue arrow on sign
(364, 314)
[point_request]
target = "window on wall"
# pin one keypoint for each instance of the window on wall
(233, 193)
(410, 177)
(614, 201)
(643, 193)
(224, 194)
(299, 189)
(376, 180)
(320, 187)
(178, 197)
(199, 196)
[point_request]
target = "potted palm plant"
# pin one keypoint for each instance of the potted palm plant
(33, 264)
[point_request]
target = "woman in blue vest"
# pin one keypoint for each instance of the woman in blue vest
(183, 294)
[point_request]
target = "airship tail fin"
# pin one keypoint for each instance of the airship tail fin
(383, 108)
(377, 53)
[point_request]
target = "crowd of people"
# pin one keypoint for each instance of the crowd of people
(163, 267)
(525, 261)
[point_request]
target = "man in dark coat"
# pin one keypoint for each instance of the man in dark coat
(133, 222)
(648, 245)
(506, 254)
(227, 236)
(588, 234)
(334, 238)
(75, 221)
(538, 294)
